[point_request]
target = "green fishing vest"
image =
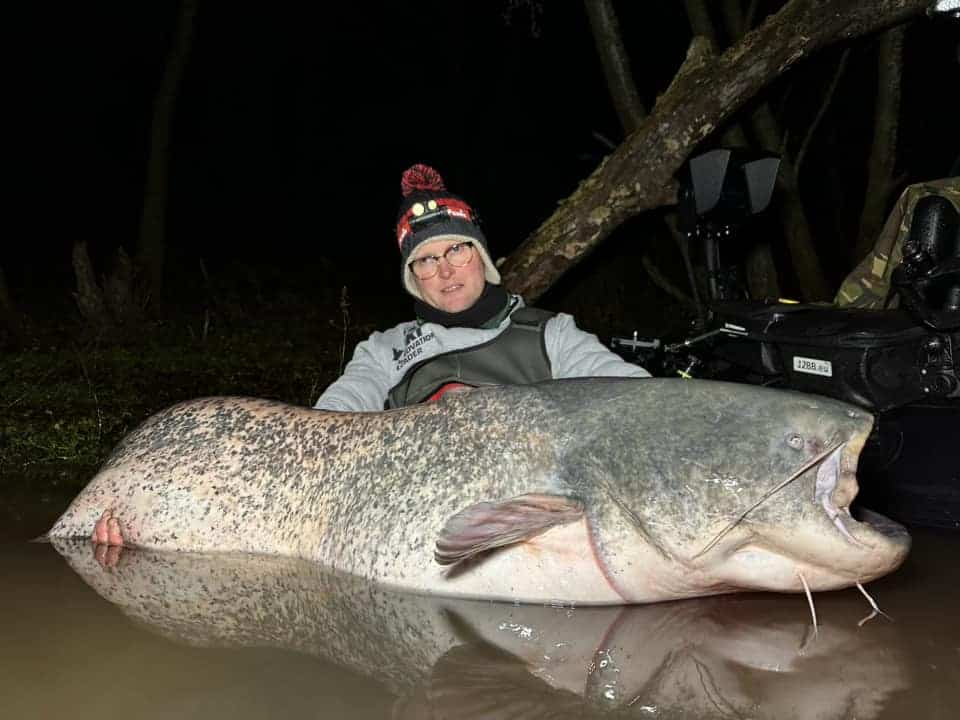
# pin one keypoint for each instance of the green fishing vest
(517, 356)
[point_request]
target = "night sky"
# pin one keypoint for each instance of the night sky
(295, 121)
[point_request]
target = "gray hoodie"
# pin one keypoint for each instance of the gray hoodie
(381, 361)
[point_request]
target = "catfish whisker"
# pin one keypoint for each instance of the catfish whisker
(873, 604)
(803, 468)
(838, 523)
(813, 610)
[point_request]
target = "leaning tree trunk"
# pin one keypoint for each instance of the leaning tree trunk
(639, 175)
(150, 250)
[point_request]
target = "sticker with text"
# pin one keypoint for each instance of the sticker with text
(812, 366)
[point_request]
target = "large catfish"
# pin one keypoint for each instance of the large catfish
(590, 491)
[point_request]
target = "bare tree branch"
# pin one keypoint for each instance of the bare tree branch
(822, 110)
(661, 281)
(734, 21)
(750, 16)
(150, 251)
(638, 176)
(698, 15)
(794, 219)
(616, 64)
(883, 152)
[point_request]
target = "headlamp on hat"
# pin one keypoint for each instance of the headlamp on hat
(422, 215)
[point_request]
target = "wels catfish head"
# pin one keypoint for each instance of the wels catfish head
(703, 487)
(801, 529)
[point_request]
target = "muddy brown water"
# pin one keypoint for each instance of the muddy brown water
(222, 636)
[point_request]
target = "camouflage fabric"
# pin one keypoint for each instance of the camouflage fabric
(868, 284)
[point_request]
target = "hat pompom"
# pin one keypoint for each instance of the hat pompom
(421, 177)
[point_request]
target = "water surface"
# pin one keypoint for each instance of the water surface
(163, 635)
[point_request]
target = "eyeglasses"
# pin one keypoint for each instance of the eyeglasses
(458, 255)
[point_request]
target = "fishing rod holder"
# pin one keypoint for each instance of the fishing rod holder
(719, 191)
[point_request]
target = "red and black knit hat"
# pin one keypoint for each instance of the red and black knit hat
(429, 212)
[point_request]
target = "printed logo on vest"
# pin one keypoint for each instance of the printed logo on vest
(413, 342)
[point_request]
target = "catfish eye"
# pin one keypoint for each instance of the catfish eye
(795, 441)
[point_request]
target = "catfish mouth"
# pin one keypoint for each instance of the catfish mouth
(835, 489)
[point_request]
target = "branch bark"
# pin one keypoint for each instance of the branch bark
(702, 24)
(638, 176)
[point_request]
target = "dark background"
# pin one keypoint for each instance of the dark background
(293, 125)
(295, 121)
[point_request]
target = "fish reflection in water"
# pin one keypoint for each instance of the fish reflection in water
(744, 656)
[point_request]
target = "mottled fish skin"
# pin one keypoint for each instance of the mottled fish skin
(660, 465)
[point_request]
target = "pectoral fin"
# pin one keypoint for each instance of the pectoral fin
(485, 526)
